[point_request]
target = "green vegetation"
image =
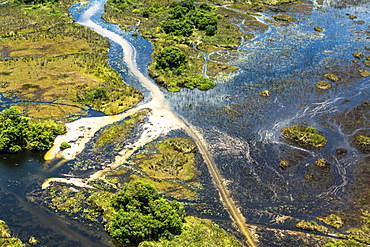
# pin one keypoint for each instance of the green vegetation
(197, 232)
(285, 18)
(34, 2)
(18, 132)
(171, 58)
(172, 189)
(5, 237)
(64, 145)
(362, 142)
(331, 220)
(332, 77)
(118, 132)
(321, 163)
(311, 226)
(50, 59)
(304, 136)
(182, 25)
(175, 160)
(141, 214)
(323, 85)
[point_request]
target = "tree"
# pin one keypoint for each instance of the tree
(170, 58)
(178, 27)
(211, 30)
(18, 132)
(141, 214)
(178, 12)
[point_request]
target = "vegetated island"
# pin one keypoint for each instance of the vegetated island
(182, 32)
(307, 137)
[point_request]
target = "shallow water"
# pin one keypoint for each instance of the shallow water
(242, 129)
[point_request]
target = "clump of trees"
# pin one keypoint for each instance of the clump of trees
(171, 58)
(141, 214)
(17, 132)
(172, 64)
(184, 17)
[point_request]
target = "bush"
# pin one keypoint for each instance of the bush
(64, 145)
(178, 27)
(211, 30)
(18, 132)
(141, 214)
(170, 58)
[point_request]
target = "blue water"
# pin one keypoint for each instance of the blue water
(242, 129)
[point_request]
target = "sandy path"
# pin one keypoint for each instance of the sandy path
(161, 121)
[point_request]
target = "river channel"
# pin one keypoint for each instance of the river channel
(240, 130)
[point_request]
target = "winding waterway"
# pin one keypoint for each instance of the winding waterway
(236, 130)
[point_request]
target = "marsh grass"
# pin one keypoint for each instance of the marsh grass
(171, 162)
(170, 189)
(51, 58)
(197, 232)
(119, 131)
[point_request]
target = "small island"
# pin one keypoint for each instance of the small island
(306, 137)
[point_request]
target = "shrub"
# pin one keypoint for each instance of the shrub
(142, 214)
(18, 132)
(64, 145)
(171, 58)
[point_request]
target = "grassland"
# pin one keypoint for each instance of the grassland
(49, 60)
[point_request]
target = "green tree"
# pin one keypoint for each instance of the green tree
(178, 12)
(189, 4)
(178, 27)
(202, 19)
(18, 132)
(141, 214)
(210, 30)
(170, 58)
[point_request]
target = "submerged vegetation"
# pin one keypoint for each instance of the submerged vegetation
(17, 133)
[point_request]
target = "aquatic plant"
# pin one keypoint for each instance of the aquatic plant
(363, 142)
(332, 77)
(64, 145)
(5, 237)
(321, 163)
(323, 85)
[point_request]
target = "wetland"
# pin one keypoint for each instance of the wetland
(286, 167)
